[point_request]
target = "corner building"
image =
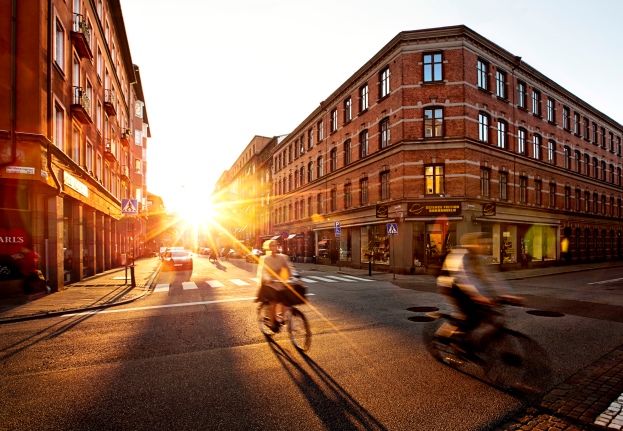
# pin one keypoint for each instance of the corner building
(442, 133)
(73, 133)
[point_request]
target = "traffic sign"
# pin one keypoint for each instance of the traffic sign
(129, 206)
(392, 228)
(338, 229)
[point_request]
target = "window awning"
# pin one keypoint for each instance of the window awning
(276, 237)
(292, 235)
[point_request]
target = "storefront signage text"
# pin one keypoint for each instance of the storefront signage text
(415, 209)
(72, 182)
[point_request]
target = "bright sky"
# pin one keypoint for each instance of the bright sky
(217, 73)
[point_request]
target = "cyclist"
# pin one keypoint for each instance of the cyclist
(468, 283)
(273, 268)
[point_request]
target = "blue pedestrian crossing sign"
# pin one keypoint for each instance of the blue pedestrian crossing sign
(392, 228)
(338, 229)
(129, 206)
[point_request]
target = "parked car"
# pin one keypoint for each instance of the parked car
(254, 255)
(234, 254)
(177, 259)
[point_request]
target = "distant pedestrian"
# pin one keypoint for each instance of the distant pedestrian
(29, 268)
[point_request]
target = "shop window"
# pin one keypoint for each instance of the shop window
(375, 244)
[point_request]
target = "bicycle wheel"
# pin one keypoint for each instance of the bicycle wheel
(298, 328)
(517, 363)
(439, 346)
(263, 318)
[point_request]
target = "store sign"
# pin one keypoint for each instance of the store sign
(415, 209)
(12, 240)
(382, 211)
(72, 182)
(488, 209)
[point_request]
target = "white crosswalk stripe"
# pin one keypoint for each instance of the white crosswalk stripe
(335, 277)
(308, 280)
(356, 278)
(189, 285)
(215, 283)
(238, 282)
(162, 287)
(328, 280)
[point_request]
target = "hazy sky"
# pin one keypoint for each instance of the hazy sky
(217, 73)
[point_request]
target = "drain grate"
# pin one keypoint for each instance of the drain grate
(422, 309)
(544, 313)
(421, 319)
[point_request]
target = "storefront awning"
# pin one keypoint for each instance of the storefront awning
(292, 235)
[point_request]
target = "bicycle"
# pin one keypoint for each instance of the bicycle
(293, 319)
(509, 359)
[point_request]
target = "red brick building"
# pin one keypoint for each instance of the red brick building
(441, 133)
(73, 137)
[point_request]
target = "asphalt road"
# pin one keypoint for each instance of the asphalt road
(190, 356)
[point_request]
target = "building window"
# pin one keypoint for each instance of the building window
(363, 144)
(500, 84)
(483, 127)
(363, 98)
(484, 182)
(536, 147)
(578, 162)
(538, 189)
(310, 172)
(319, 203)
(310, 208)
(611, 170)
(301, 176)
(603, 170)
(347, 150)
(385, 185)
(587, 202)
(619, 179)
(502, 134)
(595, 168)
(59, 46)
(333, 199)
(348, 195)
(595, 135)
(587, 131)
(567, 157)
(576, 123)
(536, 102)
(521, 141)
(595, 203)
(348, 110)
(483, 70)
(523, 190)
(88, 160)
(384, 80)
(75, 146)
(333, 159)
(603, 137)
(522, 95)
(384, 125)
(587, 165)
(551, 111)
(433, 67)
(567, 198)
(551, 152)
(310, 140)
(578, 200)
(59, 127)
(552, 195)
(320, 131)
(334, 121)
(503, 183)
(611, 206)
(618, 148)
(319, 167)
(363, 191)
(566, 118)
(433, 122)
(434, 179)
(611, 140)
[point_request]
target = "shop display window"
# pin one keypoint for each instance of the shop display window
(375, 244)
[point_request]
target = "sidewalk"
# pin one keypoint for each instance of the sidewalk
(100, 291)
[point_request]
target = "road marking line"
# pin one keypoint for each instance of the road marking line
(356, 278)
(255, 280)
(335, 277)
(189, 285)
(155, 307)
(607, 281)
(309, 280)
(215, 283)
(238, 282)
(162, 287)
(121, 278)
(324, 279)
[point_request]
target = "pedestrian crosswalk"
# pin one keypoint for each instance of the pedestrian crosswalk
(252, 282)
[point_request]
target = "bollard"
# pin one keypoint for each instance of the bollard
(132, 276)
(370, 268)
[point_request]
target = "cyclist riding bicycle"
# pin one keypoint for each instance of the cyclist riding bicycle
(273, 269)
(468, 282)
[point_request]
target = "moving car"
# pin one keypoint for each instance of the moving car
(254, 255)
(177, 259)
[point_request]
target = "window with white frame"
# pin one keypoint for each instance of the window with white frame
(310, 172)
(75, 145)
(385, 82)
(522, 95)
(385, 185)
(347, 152)
(483, 127)
(536, 102)
(503, 185)
(483, 70)
(59, 45)
(88, 157)
(502, 134)
(536, 147)
(363, 144)
(433, 122)
(433, 67)
(333, 159)
(363, 98)
(320, 167)
(551, 152)
(59, 127)
(348, 110)
(551, 110)
(319, 203)
(363, 191)
(384, 126)
(333, 199)
(334, 121)
(434, 179)
(320, 130)
(521, 141)
(138, 137)
(348, 195)
(485, 181)
(566, 118)
(500, 84)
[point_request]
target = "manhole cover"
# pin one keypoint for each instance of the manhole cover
(544, 313)
(422, 309)
(421, 319)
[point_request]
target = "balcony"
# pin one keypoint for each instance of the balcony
(81, 37)
(124, 173)
(81, 106)
(125, 137)
(110, 101)
(110, 150)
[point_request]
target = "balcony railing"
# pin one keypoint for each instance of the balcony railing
(110, 102)
(81, 106)
(81, 36)
(125, 137)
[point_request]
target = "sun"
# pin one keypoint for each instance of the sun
(196, 213)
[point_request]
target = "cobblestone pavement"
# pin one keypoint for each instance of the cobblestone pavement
(592, 399)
